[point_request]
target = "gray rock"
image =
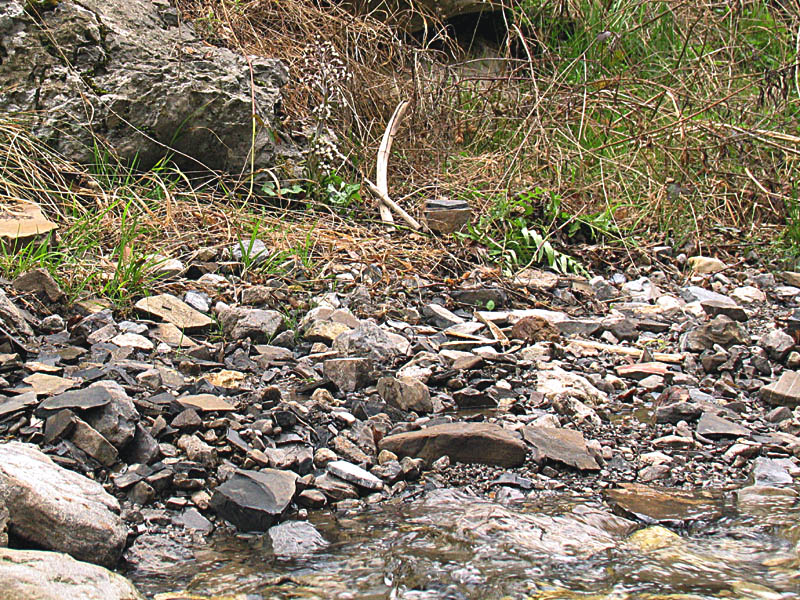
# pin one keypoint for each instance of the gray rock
(470, 397)
(354, 474)
(483, 443)
(253, 500)
(252, 252)
(257, 324)
(116, 420)
(88, 439)
(562, 445)
(349, 374)
(10, 314)
(39, 281)
(405, 393)
(78, 400)
(695, 293)
(720, 330)
(125, 83)
(716, 307)
(335, 489)
(58, 509)
(777, 344)
(713, 426)
(367, 340)
(772, 471)
(294, 539)
(3, 524)
(678, 411)
(440, 316)
(39, 575)
(193, 520)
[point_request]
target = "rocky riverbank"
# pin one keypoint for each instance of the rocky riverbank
(221, 405)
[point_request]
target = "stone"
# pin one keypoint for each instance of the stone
(22, 222)
(785, 391)
(40, 575)
(535, 329)
(720, 330)
(748, 295)
(367, 340)
(132, 340)
(480, 296)
(405, 393)
(663, 506)
(791, 278)
(12, 318)
(197, 450)
(348, 374)
(324, 331)
(439, 316)
(142, 493)
(715, 307)
(205, 403)
(116, 420)
(93, 443)
(12, 405)
(138, 103)
(48, 385)
(295, 539)
(466, 442)
(335, 489)
(777, 344)
(678, 411)
(695, 293)
(705, 264)
(469, 398)
(257, 324)
(562, 445)
(446, 216)
(192, 519)
(39, 281)
(59, 509)
(143, 449)
(173, 310)
(713, 426)
(312, 499)
(639, 371)
(354, 474)
(254, 500)
(168, 333)
(772, 471)
(555, 382)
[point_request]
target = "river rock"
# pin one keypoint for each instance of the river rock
(39, 575)
(711, 425)
(562, 445)
(124, 83)
(483, 443)
(405, 393)
(295, 539)
(663, 506)
(59, 509)
(253, 500)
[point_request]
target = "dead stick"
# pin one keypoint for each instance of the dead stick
(389, 203)
(382, 167)
(625, 350)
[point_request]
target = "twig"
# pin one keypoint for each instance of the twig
(389, 203)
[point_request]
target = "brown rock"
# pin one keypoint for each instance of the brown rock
(535, 329)
(563, 445)
(175, 311)
(483, 443)
(785, 391)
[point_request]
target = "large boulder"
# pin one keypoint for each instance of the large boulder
(135, 76)
(37, 575)
(58, 509)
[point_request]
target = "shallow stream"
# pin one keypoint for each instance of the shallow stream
(449, 544)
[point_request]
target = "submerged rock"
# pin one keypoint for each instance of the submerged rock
(292, 539)
(664, 506)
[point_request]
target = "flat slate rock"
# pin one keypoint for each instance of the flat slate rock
(58, 509)
(85, 399)
(712, 425)
(47, 385)
(785, 391)
(639, 371)
(354, 474)
(175, 311)
(12, 405)
(663, 506)
(204, 403)
(562, 445)
(253, 500)
(465, 442)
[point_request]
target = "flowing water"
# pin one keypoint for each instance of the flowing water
(448, 544)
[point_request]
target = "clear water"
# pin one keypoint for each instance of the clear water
(447, 544)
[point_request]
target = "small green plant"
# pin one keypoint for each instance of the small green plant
(339, 193)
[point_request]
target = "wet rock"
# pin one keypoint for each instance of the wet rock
(40, 575)
(777, 344)
(349, 374)
(354, 474)
(405, 393)
(58, 509)
(175, 311)
(535, 329)
(253, 500)
(39, 282)
(765, 500)
(665, 506)
(785, 391)
(312, 499)
(465, 442)
(712, 426)
(720, 330)
(192, 519)
(367, 340)
(566, 446)
(295, 539)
